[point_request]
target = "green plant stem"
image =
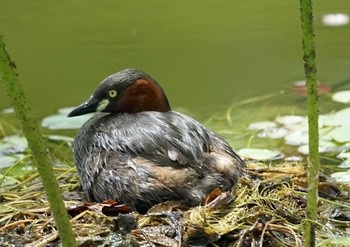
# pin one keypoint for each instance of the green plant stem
(312, 103)
(36, 144)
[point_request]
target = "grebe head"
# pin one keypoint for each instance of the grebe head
(129, 90)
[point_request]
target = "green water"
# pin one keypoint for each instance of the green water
(206, 54)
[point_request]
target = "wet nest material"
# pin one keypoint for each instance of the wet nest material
(267, 208)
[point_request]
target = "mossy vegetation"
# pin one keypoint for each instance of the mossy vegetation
(266, 207)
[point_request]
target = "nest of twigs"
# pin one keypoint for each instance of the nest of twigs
(267, 208)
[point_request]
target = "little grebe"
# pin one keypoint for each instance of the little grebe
(137, 151)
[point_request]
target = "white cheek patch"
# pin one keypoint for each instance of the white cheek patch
(102, 105)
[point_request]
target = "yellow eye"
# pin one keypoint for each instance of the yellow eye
(112, 93)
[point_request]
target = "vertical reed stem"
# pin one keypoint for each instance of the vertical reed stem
(312, 103)
(35, 141)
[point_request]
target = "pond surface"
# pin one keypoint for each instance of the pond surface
(206, 54)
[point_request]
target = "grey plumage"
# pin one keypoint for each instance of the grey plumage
(140, 153)
(117, 156)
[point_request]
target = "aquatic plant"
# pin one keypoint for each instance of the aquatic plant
(36, 144)
(266, 208)
(312, 103)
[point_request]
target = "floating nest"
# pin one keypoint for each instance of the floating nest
(267, 208)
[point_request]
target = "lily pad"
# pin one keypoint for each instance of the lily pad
(297, 138)
(65, 110)
(342, 96)
(343, 177)
(301, 126)
(13, 144)
(324, 147)
(335, 19)
(273, 133)
(19, 141)
(260, 154)
(5, 147)
(325, 133)
(61, 121)
(345, 164)
(339, 118)
(61, 138)
(345, 155)
(341, 134)
(6, 161)
(290, 119)
(294, 159)
(262, 125)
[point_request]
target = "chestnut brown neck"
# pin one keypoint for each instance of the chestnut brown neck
(143, 95)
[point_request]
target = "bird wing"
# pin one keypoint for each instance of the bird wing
(168, 139)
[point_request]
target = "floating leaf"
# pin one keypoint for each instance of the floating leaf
(13, 144)
(343, 116)
(61, 121)
(262, 125)
(345, 155)
(273, 133)
(5, 147)
(6, 161)
(19, 141)
(297, 138)
(304, 149)
(337, 119)
(345, 164)
(335, 19)
(324, 147)
(342, 96)
(294, 159)
(341, 134)
(325, 133)
(260, 154)
(290, 119)
(13, 164)
(343, 177)
(65, 110)
(301, 127)
(61, 138)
